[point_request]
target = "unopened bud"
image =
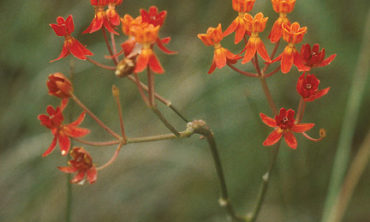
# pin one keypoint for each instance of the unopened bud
(115, 91)
(59, 85)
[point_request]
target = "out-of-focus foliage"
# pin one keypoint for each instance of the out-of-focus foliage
(172, 180)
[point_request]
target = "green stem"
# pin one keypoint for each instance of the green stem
(201, 128)
(349, 123)
(264, 185)
(165, 121)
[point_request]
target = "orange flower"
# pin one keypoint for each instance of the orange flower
(59, 85)
(71, 45)
(283, 7)
(112, 15)
(284, 125)
(239, 23)
(146, 35)
(100, 19)
(243, 5)
(255, 25)
(221, 55)
(81, 163)
(292, 34)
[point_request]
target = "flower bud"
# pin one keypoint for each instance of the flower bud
(59, 85)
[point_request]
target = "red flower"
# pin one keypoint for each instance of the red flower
(315, 57)
(100, 19)
(221, 55)
(112, 15)
(71, 45)
(284, 125)
(59, 85)
(283, 7)
(292, 34)
(61, 132)
(82, 164)
(307, 87)
(239, 23)
(255, 25)
(152, 16)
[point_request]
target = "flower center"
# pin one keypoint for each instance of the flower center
(285, 120)
(308, 86)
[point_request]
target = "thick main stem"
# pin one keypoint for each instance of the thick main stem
(264, 185)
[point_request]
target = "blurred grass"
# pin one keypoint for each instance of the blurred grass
(173, 180)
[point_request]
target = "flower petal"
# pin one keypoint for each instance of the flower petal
(250, 50)
(261, 49)
(51, 147)
(287, 59)
(64, 53)
(212, 68)
(290, 140)
(68, 169)
(161, 42)
(70, 27)
(79, 177)
(328, 60)
(64, 143)
(79, 120)
(91, 175)
(142, 61)
(273, 138)
(155, 65)
(268, 120)
(303, 127)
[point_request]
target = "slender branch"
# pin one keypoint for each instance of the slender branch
(114, 48)
(106, 128)
(264, 185)
(90, 143)
(300, 111)
(100, 65)
(69, 196)
(141, 91)
(248, 74)
(114, 157)
(114, 59)
(277, 69)
(115, 92)
(182, 134)
(165, 121)
(265, 88)
(272, 56)
(151, 89)
(201, 128)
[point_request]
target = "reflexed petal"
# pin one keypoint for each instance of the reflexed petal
(212, 68)
(290, 140)
(76, 132)
(276, 32)
(108, 26)
(287, 59)
(298, 62)
(141, 62)
(155, 65)
(161, 42)
(231, 28)
(303, 127)
(51, 147)
(79, 120)
(239, 34)
(79, 177)
(77, 49)
(261, 49)
(44, 120)
(317, 95)
(273, 138)
(68, 169)
(64, 143)
(268, 120)
(328, 60)
(219, 57)
(97, 24)
(91, 175)
(63, 54)
(63, 104)
(250, 50)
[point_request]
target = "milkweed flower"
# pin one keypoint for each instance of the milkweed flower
(221, 55)
(146, 35)
(315, 57)
(59, 85)
(292, 34)
(71, 45)
(112, 15)
(239, 23)
(284, 125)
(307, 87)
(283, 7)
(100, 19)
(127, 22)
(81, 163)
(62, 132)
(255, 25)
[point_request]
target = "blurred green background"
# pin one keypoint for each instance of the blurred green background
(173, 180)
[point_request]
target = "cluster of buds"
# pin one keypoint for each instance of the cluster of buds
(249, 27)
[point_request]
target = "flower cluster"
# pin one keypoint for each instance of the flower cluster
(249, 27)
